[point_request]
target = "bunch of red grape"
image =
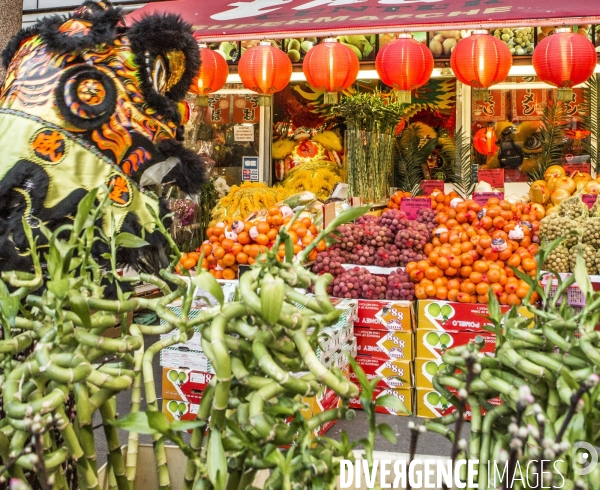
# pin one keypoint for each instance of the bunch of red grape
(394, 219)
(331, 261)
(427, 217)
(359, 283)
(350, 236)
(362, 255)
(399, 286)
(415, 236)
(387, 256)
(377, 235)
(409, 255)
(366, 219)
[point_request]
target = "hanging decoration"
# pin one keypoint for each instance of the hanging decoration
(564, 59)
(212, 75)
(331, 67)
(484, 140)
(265, 69)
(480, 61)
(404, 64)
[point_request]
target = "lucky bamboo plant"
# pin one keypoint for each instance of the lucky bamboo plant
(57, 369)
(545, 372)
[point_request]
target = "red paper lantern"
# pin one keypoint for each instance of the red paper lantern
(564, 59)
(484, 141)
(481, 61)
(265, 69)
(404, 65)
(330, 67)
(212, 75)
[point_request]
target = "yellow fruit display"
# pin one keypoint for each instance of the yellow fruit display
(318, 177)
(247, 198)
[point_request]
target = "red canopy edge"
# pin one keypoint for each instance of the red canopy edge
(219, 20)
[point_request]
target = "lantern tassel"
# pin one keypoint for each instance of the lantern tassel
(564, 94)
(265, 100)
(403, 96)
(330, 98)
(202, 100)
(482, 95)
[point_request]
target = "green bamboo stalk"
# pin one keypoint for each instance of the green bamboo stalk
(115, 456)
(126, 343)
(83, 424)
(191, 470)
(136, 399)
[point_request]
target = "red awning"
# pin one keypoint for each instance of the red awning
(216, 20)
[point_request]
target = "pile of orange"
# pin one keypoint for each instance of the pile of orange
(241, 242)
(439, 200)
(396, 199)
(472, 252)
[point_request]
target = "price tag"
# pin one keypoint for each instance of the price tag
(570, 168)
(412, 205)
(589, 199)
(481, 198)
(494, 177)
(429, 186)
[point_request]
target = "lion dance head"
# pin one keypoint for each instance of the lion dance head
(89, 103)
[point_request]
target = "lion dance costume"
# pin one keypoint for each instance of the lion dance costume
(88, 103)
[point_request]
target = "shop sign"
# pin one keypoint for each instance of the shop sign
(493, 110)
(412, 205)
(246, 109)
(243, 133)
(481, 198)
(217, 111)
(494, 177)
(429, 186)
(589, 199)
(571, 168)
(527, 104)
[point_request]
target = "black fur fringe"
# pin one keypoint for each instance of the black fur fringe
(191, 173)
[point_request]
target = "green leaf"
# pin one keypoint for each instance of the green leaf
(83, 211)
(158, 421)
(129, 240)
(386, 431)
(184, 425)
(205, 281)
(10, 308)
(581, 276)
(348, 215)
(4, 292)
(393, 403)
(59, 287)
(360, 375)
(81, 309)
(134, 422)
(216, 463)
(570, 380)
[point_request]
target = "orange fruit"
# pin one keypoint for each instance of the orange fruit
(321, 246)
(493, 275)
(272, 234)
(206, 249)
(528, 264)
(218, 252)
(420, 292)
(513, 300)
(514, 260)
(452, 294)
(467, 287)
(237, 248)
(273, 210)
(253, 252)
(218, 231)
(480, 266)
(430, 290)
(475, 277)
(441, 293)
(482, 288)
(228, 273)
(262, 239)
(229, 259)
(431, 273)
(443, 263)
(307, 239)
(243, 238)
(300, 230)
(262, 227)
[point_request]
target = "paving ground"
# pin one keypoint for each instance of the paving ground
(429, 443)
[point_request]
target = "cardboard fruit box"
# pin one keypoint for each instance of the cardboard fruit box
(425, 369)
(453, 316)
(385, 315)
(431, 344)
(386, 344)
(178, 410)
(394, 373)
(184, 384)
(406, 396)
(429, 403)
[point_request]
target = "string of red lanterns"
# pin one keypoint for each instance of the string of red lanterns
(330, 67)
(212, 75)
(405, 65)
(480, 61)
(564, 59)
(265, 69)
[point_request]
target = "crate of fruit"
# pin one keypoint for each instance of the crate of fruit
(575, 296)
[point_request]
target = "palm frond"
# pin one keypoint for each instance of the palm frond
(466, 179)
(552, 128)
(412, 159)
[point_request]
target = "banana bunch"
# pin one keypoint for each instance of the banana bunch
(363, 46)
(246, 199)
(296, 48)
